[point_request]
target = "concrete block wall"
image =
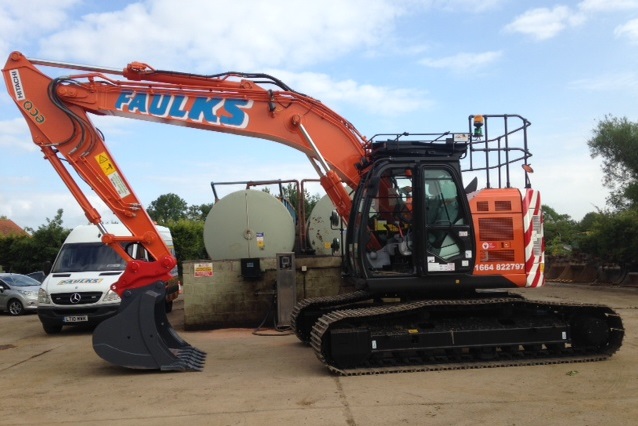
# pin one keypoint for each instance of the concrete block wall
(226, 299)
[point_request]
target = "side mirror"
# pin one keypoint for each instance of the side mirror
(472, 186)
(46, 267)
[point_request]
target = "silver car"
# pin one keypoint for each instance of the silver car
(18, 293)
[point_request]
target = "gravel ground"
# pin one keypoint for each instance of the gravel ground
(257, 380)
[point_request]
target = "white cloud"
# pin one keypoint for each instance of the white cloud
(464, 62)
(607, 5)
(31, 209)
(581, 177)
(621, 81)
(372, 99)
(15, 135)
(543, 23)
(241, 35)
(20, 20)
(471, 6)
(628, 30)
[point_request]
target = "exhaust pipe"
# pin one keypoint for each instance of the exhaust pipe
(139, 336)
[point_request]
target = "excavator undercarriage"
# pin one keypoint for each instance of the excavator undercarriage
(356, 335)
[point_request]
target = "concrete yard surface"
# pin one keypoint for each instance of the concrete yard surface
(259, 380)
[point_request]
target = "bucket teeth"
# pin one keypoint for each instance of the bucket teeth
(188, 359)
(193, 357)
(141, 337)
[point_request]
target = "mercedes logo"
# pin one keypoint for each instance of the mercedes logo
(75, 298)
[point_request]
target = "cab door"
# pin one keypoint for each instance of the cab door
(408, 221)
(448, 243)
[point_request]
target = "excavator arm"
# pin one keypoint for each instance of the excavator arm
(57, 111)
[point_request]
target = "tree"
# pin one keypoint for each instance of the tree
(613, 238)
(199, 212)
(188, 240)
(290, 193)
(560, 231)
(587, 222)
(167, 207)
(186, 224)
(49, 238)
(615, 140)
(29, 253)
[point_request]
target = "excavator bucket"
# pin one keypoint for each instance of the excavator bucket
(141, 337)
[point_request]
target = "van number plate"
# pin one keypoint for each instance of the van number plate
(76, 318)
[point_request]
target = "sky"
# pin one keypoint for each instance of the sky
(386, 66)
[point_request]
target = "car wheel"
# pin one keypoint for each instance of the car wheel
(52, 328)
(15, 307)
(169, 306)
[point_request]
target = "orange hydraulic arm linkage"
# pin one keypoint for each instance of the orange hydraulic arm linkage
(56, 110)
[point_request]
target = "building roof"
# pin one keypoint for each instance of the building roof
(9, 227)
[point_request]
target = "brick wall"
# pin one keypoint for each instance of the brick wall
(226, 299)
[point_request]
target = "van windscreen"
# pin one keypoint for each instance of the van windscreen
(77, 257)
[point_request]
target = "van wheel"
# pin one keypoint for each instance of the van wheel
(52, 328)
(169, 306)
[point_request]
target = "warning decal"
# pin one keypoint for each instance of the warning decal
(105, 163)
(111, 172)
(260, 241)
(119, 185)
(203, 269)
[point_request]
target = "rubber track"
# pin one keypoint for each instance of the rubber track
(325, 301)
(510, 360)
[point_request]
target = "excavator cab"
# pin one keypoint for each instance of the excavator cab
(417, 229)
(411, 217)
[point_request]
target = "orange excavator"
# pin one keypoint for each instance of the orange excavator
(430, 258)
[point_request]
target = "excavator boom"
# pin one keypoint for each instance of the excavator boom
(57, 112)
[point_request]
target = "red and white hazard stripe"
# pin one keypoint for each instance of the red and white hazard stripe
(534, 242)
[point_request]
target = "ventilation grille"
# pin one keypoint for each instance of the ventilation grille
(503, 206)
(482, 206)
(78, 298)
(496, 229)
(497, 256)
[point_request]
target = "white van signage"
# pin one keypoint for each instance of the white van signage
(81, 281)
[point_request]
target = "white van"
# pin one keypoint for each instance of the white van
(77, 289)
